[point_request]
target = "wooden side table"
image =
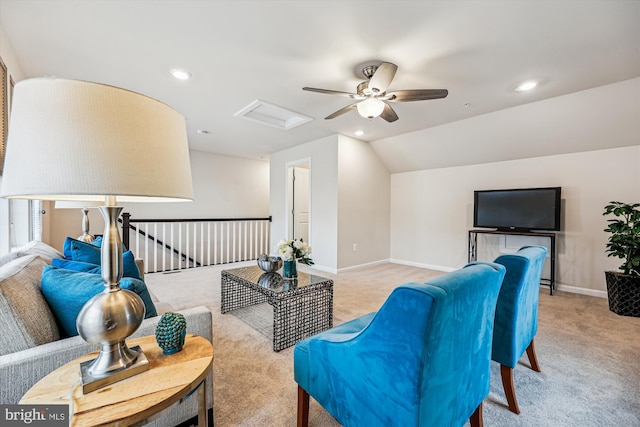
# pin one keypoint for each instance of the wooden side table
(136, 399)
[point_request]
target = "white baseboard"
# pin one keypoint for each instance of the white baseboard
(322, 268)
(581, 291)
(420, 265)
(368, 264)
(558, 287)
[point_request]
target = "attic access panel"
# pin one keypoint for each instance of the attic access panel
(272, 115)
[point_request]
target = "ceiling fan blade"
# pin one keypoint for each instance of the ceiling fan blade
(341, 111)
(416, 95)
(331, 92)
(381, 79)
(388, 114)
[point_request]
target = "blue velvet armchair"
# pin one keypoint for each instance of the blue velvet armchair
(516, 320)
(422, 360)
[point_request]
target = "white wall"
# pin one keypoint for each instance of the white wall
(349, 201)
(364, 185)
(323, 159)
(223, 186)
(432, 210)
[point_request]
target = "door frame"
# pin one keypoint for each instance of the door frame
(287, 205)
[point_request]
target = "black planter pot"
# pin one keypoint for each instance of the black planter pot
(624, 293)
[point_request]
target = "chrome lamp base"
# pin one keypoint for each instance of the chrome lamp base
(86, 237)
(111, 316)
(91, 383)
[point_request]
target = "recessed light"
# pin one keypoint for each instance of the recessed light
(359, 133)
(524, 86)
(203, 131)
(180, 74)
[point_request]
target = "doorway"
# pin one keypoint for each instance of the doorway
(298, 201)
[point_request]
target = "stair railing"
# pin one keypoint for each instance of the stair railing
(176, 244)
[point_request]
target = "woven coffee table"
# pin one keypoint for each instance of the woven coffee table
(301, 307)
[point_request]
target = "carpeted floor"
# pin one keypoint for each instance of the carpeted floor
(590, 357)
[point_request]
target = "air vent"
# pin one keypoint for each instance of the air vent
(271, 115)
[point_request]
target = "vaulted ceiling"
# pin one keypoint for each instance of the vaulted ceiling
(240, 51)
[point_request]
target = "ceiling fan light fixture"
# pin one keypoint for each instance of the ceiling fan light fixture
(370, 108)
(374, 99)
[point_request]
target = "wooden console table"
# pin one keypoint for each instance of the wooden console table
(473, 249)
(135, 400)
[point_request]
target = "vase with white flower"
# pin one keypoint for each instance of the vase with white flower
(291, 252)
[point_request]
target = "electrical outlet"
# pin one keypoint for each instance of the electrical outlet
(355, 247)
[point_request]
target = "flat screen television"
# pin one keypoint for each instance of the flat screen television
(518, 209)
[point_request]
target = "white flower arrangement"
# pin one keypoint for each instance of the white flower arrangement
(292, 250)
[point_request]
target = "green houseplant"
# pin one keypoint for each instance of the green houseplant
(623, 288)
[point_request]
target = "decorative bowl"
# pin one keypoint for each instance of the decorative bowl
(269, 264)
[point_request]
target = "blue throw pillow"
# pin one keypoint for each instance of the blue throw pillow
(78, 250)
(67, 291)
(129, 266)
(85, 267)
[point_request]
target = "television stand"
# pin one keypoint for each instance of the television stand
(473, 249)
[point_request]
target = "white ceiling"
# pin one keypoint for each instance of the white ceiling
(240, 51)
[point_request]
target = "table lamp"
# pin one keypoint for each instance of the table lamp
(85, 206)
(77, 140)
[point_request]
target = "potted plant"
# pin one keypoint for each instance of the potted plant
(623, 288)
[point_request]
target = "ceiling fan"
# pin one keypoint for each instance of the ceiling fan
(373, 98)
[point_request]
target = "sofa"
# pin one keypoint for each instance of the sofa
(33, 343)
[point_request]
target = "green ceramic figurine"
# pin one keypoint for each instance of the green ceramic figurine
(170, 332)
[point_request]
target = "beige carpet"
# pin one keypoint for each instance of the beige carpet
(590, 357)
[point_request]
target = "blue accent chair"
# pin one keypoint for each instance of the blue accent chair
(422, 360)
(516, 320)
